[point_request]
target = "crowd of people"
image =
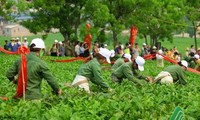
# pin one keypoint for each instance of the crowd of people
(67, 48)
(15, 43)
(128, 64)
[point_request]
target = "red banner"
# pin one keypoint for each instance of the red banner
(22, 77)
(7, 52)
(133, 34)
(70, 60)
(88, 40)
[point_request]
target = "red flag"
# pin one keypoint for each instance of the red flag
(22, 76)
(88, 26)
(133, 34)
(88, 40)
(88, 37)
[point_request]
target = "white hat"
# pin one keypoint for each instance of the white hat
(196, 56)
(17, 38)
(105, 45)
(160, 51)
(112, 53)
(55, 41)
(128, 56)
(144, 44)
(39, 43)
(106, 53)
(140, 61)
(154, 47)
(25, 38)
(184, 63)
(60, 42)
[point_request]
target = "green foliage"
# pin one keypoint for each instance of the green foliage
(6, 6)
(127, 101)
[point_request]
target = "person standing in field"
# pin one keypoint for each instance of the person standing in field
(68, 48)
(135, 51)
(159, 58)
(6, 45)
(25, 42)
(54, 51)
(77, 49)
(95, 49)
(192, 49)
(129, 71)
(91, 71)
(37, 70)
(197, 62)
(127, 48)
(173, 74)
(144, 50)
(13, 45)
(187, 51)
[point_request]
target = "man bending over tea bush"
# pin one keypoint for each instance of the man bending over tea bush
(129, 70)
(91, 71)
(173, 74)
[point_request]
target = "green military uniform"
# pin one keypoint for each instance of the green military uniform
(68, 50)
(127, 71)
(190, 62)
(37, 70)
(117, 63)
(92, 71)
(177, 73)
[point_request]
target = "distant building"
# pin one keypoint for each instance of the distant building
(15, 30)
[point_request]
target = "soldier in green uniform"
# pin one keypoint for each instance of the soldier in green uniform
(130, 71)
(120, 61)
(36, 71)
(173, 74)
(91, 71)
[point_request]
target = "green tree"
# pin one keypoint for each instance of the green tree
(64, 15)
(158, 19)
(193, 15)
(98, 15)
(6, 8)
(118, 9)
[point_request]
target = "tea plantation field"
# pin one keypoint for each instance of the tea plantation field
(127, 101)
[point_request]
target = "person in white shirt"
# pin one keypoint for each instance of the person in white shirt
(77, 48)
(25, 42)
(159, 58)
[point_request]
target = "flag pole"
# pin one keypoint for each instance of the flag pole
(22, 67)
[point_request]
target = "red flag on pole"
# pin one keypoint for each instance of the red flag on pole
(22, 77)
(88, 37)
(133, 34)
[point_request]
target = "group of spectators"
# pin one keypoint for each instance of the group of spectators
(192, 57)
(14, 44)
(76, 48)
(67, 48)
